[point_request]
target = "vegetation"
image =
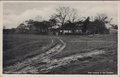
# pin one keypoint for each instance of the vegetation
(18, 47)
(65, 18)
(114, 26)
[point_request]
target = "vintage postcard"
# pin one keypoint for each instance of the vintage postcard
(40, 38)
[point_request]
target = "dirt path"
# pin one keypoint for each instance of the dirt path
(54, 63)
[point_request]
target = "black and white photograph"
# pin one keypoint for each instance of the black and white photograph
(60, 37)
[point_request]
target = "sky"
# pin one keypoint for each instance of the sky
(15, 13)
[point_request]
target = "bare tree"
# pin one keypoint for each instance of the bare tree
(64, 14)
(101, 22)
(103, 17)
(72, 15)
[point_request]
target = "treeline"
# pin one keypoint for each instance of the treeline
(35, 27)
(65, 20)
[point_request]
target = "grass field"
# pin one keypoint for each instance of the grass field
(19, 47)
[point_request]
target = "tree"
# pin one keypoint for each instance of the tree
(21, 28)
(29, 24)
(84, 27)
(101, 20)
(52, 21)
(114, 26)
(72, 15)
(41, 27)
(64, 14)
(26, 27)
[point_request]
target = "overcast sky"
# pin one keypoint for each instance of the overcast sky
(15, 13)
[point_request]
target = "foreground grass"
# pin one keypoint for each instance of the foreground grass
(19, 47)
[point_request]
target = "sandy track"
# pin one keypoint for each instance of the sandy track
(54, 63)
